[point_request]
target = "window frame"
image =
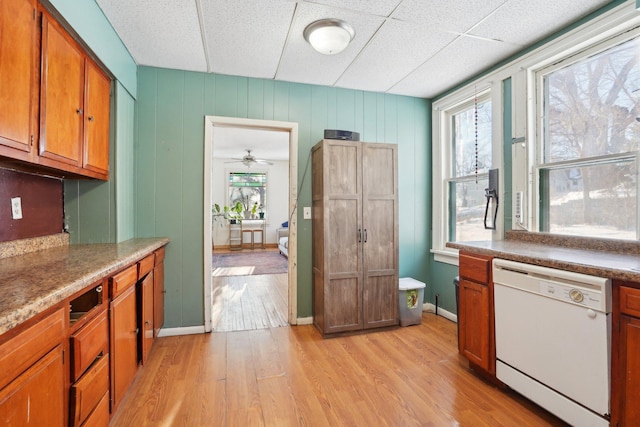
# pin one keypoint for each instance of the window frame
(229, 171)
(442, 150)
(537, 74)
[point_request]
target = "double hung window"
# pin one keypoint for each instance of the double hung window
(589, 128)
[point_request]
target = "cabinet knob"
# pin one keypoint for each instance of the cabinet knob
(79, 110)
(91, 118)
(136, 331)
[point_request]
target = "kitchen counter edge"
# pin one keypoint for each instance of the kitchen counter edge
(32, 283)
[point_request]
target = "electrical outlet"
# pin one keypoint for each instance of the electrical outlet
(16, 208)
(306, 212)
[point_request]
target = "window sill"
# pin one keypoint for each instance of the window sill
(445, 256)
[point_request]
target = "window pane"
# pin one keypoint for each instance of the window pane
(597, 201)
(248, 188)
(464, 139)
(591, 107)
(468, 213)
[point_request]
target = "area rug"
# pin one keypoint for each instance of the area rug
(249, 264)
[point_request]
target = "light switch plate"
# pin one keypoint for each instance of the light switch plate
(306, 212)
(16, 208)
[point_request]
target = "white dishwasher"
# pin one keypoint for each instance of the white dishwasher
(552, 332)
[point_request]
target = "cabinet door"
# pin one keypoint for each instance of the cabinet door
(629, 371)
(124, 344)
(343, 309)
(158, 292)
(96, 120)
(146, 313)
(473, 321)
(35, 398)
(380, 235)
(61, 113)
(18, 74)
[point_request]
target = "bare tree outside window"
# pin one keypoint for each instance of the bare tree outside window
(591, 135)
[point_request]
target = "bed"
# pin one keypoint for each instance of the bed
(282, 235)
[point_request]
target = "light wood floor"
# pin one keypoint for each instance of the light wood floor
(290, 376)
(249, 302)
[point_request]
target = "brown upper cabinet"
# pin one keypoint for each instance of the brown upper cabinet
(54, 99)
(74, 105)
(18, 78)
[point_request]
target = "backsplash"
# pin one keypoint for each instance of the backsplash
(42, 205)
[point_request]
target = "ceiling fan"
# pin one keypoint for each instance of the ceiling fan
(248, 160)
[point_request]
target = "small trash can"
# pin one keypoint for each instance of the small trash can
(410, 298)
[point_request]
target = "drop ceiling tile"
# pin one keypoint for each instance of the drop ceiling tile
(161, 33)
(513, 21)
(373, 7)
(457, 16)
(301, 63)
(449, 68)
(396, 50)
(244, 37)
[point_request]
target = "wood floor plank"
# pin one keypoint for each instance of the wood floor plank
(249, 302)
(291, 376)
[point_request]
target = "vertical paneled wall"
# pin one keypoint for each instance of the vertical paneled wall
(124, 165)
(170, 110)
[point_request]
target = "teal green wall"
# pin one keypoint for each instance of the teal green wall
(92, 26)
(169, 151)
(124, 165)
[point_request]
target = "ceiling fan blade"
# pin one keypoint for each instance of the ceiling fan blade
(234, 160)
(263, 161)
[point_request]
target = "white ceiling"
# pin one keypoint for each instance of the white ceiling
(409, 47)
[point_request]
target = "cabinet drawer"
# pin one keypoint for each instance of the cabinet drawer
(23, 350)
(146, 265)
(474, 267)
(87, 393)
(91, 341)
(121, 281)
(100, 416)
(630, 301)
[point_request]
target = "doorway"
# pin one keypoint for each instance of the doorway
(290, 284)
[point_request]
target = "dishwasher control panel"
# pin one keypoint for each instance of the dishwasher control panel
(576, 288)
(571, 293)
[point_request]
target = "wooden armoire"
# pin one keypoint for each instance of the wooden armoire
(355, 236)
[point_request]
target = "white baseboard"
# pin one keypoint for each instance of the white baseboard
(187, 330)
(304, 320)
(431, 308)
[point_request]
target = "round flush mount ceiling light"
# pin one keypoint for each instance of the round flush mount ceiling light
(329, 36)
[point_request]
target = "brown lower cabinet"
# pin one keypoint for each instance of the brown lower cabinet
(32, 377)
(124, 340)
(625, 381)
(73, 364)
(475, 312)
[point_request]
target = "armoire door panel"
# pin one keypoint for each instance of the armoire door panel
(379, 239)
(342, 170)
(343, 304)
(380, 297)
(343, 254)
(378, 169)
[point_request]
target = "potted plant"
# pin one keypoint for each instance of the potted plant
(235, 212)
(219, 214)
(254, 210)
(261, 211)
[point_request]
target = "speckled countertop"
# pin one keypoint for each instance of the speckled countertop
(33, 282)
(599, 257)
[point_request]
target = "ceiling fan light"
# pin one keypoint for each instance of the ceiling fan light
(329, 36)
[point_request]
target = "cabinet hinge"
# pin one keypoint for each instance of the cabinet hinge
(34, 14)
(32, 140)
(63, 351)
